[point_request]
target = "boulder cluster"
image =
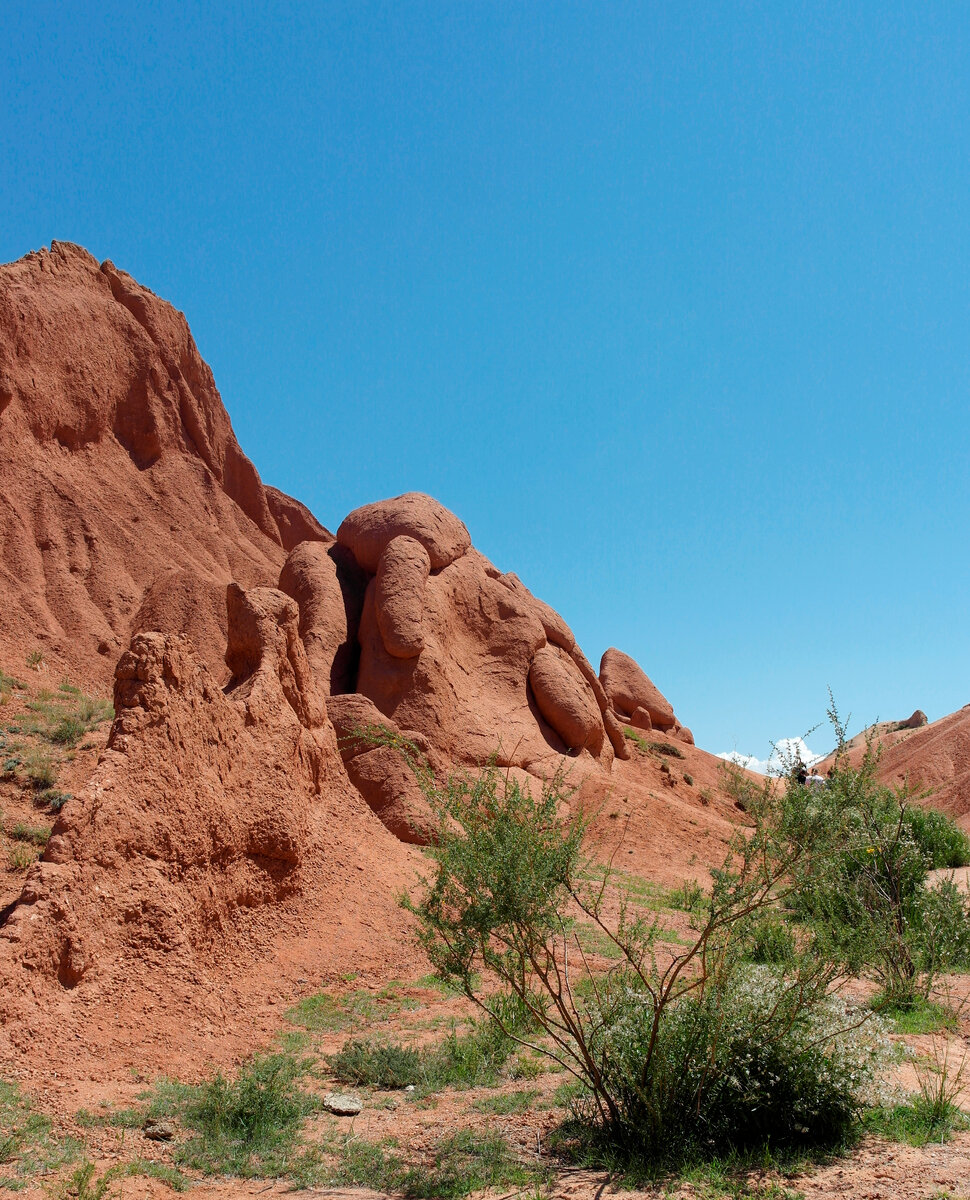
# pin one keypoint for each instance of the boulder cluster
(407, 626)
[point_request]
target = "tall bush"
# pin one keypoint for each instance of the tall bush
(677, 1049)
(862, 884)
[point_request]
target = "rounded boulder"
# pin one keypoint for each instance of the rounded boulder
(566, 700)
(402, 574)
(628, 688)
(367, 531)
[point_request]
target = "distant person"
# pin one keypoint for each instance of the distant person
(815, 780)
(801, 774)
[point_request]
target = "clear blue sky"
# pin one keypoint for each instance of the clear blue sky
(669, 302)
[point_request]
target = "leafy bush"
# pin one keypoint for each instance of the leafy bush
(861, 884)
(248, 1126)
(377, 1064)
(705, 1051)
(466, 1060)
(945, 844)
(739, 1067)
(771, 941)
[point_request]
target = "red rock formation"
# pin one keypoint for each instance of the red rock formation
(368, 530)
(232, 790)
(199, 807)
(628, 688)
(399, 587)
(125, 500)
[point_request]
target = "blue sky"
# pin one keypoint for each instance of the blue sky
(668, 302)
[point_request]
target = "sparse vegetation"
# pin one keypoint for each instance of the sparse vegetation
(52, 799)
(506, 1103)
(324, 1012)
(649, 746)
(28, 1144)
(462, 1163)
(460, 1060)
(34, 835)
(65, 716)
(248, 1126)
(20, 857)
(863, 888)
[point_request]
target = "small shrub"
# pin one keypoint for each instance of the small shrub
(53, 799)
(20, 857)
(36, 835)
(67, 730)
(771, 941)
(38, 768)
(377, 1064)
(941, 841)
(689, 897)
(246, 1126)
(460, 1060)
(689, 780)
(35, 659)
(667, 748)
(472, 1059)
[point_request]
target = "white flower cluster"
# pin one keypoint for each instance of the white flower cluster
(757, 1030)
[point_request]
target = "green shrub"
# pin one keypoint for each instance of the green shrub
(702, 1053)
(943, 843)
(667, 748)
(53, 799)
(20, 857)
(247, 1126)
(67, 731)
(689, 897)
(377, 1064)
(771, 941)
(861, 884)
(35, 835)
(39, 768)
(467, 1060)
(741, 1067)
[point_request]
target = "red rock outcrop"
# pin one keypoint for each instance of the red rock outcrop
(199, 807)
(628, 688)
(122, 485)
(399, 587)
(234, 805)
(566, 700)
(368, 530)
(328, 587)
